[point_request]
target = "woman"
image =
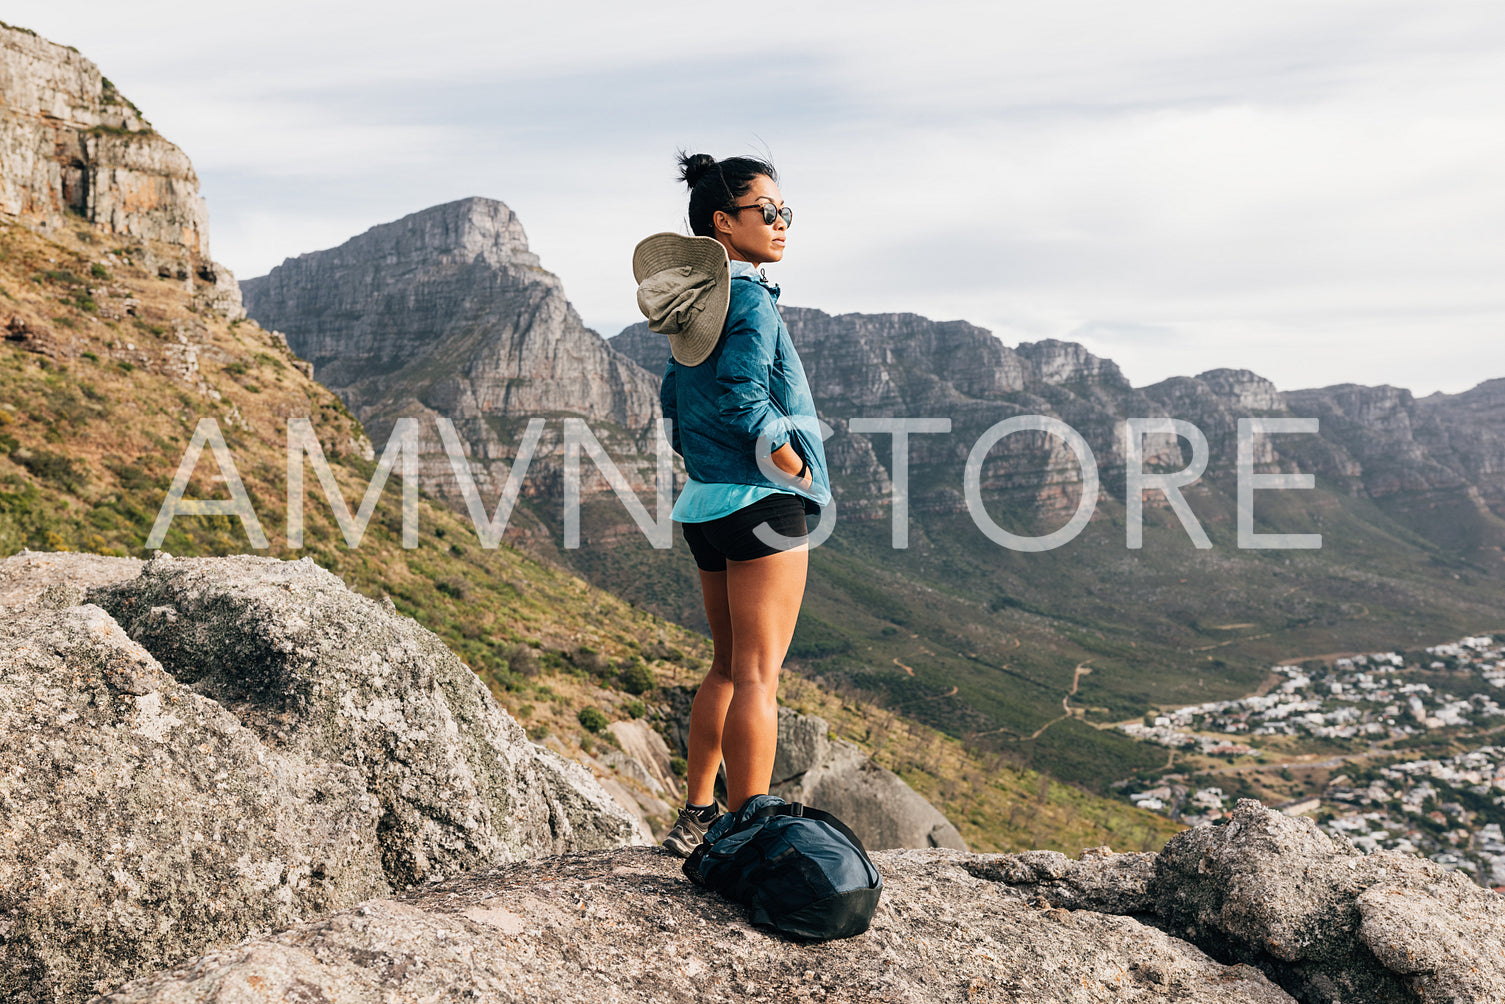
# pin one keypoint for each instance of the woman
(733, 388)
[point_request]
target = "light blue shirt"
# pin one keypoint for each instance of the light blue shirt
(700, 502)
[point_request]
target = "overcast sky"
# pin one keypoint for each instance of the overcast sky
(1311, 190)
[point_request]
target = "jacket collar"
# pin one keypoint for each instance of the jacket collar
(744, 270)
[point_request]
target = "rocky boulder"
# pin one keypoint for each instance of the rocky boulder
(267, 748)
(141, 823)
(26, 575)
(1100, 880)
(625, 925)
(322, 672)
(836, 776)
(1327, 922)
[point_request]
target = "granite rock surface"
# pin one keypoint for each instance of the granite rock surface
(317, 670)
(193, 751)
(625, 925)
(1327, 923)
(141, 823)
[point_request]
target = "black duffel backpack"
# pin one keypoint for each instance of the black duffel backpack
(799, 870)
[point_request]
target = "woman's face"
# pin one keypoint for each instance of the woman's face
(746, 236)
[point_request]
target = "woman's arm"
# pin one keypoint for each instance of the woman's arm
(743, 373)
(744, 368)
(791, 464)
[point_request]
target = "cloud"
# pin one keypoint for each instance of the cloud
(1309, 190)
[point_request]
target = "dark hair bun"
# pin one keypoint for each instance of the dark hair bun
(693, 166)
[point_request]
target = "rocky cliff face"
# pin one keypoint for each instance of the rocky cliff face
(72, 146)
(1437, 464)
(447, 313)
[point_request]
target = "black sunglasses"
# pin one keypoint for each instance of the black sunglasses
(770, 213)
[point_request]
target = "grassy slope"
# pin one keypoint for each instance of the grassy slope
(90, 439)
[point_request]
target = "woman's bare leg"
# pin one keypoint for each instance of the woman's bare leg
(763, 604)
(708, 713)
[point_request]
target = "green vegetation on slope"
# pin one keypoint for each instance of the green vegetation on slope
(98, 405)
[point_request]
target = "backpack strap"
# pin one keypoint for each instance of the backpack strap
(691, 866)
(800, 810)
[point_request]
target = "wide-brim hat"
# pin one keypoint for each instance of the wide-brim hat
(684, 287)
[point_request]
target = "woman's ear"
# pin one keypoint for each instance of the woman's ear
(721, 222)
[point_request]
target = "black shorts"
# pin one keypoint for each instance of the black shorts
(732, 535)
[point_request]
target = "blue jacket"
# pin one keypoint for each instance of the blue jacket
(751, 383)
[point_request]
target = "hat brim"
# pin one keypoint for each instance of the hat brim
(706, 255)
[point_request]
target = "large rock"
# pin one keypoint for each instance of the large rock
(141, 823)
(285, 749)
(625, 925)
(320, 671)
(836, 776)
(644, 745)
(1326, 922)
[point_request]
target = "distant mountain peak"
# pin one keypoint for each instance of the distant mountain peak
(456, 232)
(1060, 362)
(447, 311)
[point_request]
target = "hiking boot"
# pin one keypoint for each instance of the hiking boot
(689, 831)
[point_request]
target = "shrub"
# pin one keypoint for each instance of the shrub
(635, 709)
(453, 587)
(522, 660)
(660, 650)
(593, 719)
(590, 661)
(635, 676)
(98, 271)
(679, 765)
(49, 466)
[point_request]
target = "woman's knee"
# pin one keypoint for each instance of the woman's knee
(754, 675)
